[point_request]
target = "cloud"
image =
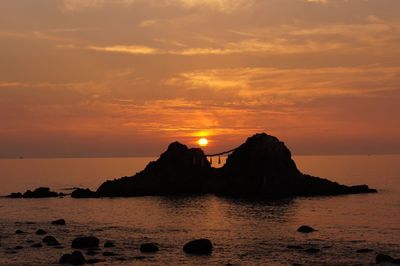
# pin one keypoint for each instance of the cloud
(130, 49)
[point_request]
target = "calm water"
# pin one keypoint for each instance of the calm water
(244, 232)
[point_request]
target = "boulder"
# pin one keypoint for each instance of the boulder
(81, 193)
(58, 222)
(199, 246)
(50, 241)
(383, 258)
(149, 247)
(85, 242)
(41, 232)
(76, 258)
(305, 229)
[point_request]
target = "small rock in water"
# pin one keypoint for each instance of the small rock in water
(109, 244)
(76, 258)
(149, 247)
(37, 245)
(383, 258)
(29, 241)
(364, 250)
(85, 242)
(41, 232)
(50, 241)
(93, 261)
(18, 247)
(83, 193)
(19, 232)
(58, 222)
(305, 229)
(199, 246)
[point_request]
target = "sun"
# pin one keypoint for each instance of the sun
(203, 142)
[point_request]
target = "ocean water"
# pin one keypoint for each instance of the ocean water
(243, 231)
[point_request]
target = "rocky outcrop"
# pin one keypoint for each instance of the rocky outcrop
(41, 192)
(179, 170)
(262, 166)
(81, 193)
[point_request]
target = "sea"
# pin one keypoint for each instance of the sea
(243, 231)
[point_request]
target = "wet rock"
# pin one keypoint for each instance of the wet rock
(312, 250)
(29, 241)
(85, 242)
(383, 258)
(81, 193)
(37, 245)
(50, 241)
(199, 246)
(18, 247)
(58, 222)
(19, 232)
(41, 232)
(294, 247)
(109, 244)
(305, 229)
(365, 250)
(149, 247)
(76, 258)
(109, 254)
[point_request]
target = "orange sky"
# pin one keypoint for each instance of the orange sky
(126, 77)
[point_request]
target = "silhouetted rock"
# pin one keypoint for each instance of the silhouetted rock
(365, 250)
(41, 232)
(305, 229)
(109, 244)
(19, 232)
(81, 193)
(149, 247)
(383, 258)
(15, 195)
(42, 192)
(50, 241)
(85, 242)
(58, 222)
(262, 166)
(76, 258)
(198, 246)
(179, 170)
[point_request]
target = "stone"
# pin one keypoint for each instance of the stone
(19, 232)
(41, 232)
(76, 258)
(383, 258)
(305, 229)
(365, 250)
(81, 193)
(149, 247)
(85, 242)
(58, 222)
(199, 246)
(50, 241)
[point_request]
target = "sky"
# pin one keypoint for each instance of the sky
(100, 78)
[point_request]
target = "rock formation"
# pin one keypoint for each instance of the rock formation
(262, 166)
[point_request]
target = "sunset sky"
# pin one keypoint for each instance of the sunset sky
(126, 77)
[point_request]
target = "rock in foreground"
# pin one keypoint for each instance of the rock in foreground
(199, 247)
(76, 258)
(262, 166)
(305, 229)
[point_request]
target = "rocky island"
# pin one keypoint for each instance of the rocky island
(262, 166)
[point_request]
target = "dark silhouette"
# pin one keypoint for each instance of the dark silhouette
(262, 166)
(41, 192)
(198, 247)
